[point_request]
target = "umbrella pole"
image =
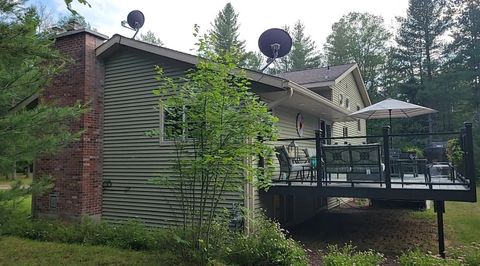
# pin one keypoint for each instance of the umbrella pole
(391, 129)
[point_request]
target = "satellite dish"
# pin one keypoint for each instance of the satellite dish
(274, 43)
(135, 20)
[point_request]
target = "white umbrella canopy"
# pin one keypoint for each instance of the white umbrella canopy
(391, 108)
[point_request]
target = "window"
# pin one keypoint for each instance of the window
(340, 100)
(347, 103)
(359, 122)
(174, 123)
(345, 131)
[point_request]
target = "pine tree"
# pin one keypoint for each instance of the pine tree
(464, 52)
(418, 41)
(303, 54)
(28, 62)
(150, 38)
(253, 61)
(225, 33)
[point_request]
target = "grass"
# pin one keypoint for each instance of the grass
(463, 221)
(25, 180)
(16, 251)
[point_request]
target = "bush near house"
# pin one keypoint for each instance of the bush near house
(267, 245)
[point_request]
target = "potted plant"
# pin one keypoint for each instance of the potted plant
(454, 152)
(413, 152)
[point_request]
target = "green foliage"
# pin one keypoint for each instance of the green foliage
(361, 38)
(16, 251)
(150, 38)
(28, 62)
(69, 5)
(266, 245)
(253, 61)
(467, 255)
(225, 35)
(413, 149)
(12, 200)
(218, 126)
(303, 55)
(413, 258)
(418, 45)
(347, 255)
(65, 21)
(454, 152)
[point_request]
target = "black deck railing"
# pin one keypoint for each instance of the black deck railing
(462, 179)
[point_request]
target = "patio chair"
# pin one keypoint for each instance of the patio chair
(288, 165)
(337, 160)
(366, 161)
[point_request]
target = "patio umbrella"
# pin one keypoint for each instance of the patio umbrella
(391, 108)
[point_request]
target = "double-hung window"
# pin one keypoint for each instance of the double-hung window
(174, 124)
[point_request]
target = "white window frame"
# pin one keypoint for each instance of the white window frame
(162, 127)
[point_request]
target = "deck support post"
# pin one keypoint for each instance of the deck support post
(318, 155)
(439, 207)
(386, 155)
(469, 160)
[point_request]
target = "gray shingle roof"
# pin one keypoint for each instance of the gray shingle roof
(323, 74)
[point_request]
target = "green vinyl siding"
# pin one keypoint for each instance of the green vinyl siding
(304, 207)
(349, 89)
(130, 158)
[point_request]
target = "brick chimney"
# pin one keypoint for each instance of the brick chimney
(77, 170)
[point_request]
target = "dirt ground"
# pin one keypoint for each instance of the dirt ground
(389, 231)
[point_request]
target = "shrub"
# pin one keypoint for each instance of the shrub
(416, 257)
(348, 256)
(454, 152)
(267, 245)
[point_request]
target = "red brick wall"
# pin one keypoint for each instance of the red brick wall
(77, 170)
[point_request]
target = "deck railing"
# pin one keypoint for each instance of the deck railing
(390, 178)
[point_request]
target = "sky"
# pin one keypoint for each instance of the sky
(172, 21)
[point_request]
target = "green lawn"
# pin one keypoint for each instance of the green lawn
(463, 221)
(16, 251)
(25, 180)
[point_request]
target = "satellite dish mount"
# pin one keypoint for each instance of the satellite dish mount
(135, 21)
(274, 43)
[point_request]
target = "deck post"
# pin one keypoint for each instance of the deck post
(439, 207)
(469, 160)
(318, 155)
(386, 156)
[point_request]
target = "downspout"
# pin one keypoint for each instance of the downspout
(288, 95)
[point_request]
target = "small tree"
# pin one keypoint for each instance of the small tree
(217, 136)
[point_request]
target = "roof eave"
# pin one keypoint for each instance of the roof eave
(118, 41)
(320, 99)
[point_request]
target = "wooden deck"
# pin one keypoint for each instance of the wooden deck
(409, 182)
(412, 188)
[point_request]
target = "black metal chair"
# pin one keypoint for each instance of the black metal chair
(288, 165)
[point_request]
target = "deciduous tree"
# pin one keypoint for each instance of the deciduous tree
(361, 38)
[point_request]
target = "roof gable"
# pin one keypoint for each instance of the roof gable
(327, 77)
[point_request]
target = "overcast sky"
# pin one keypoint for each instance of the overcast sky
(173, 20)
